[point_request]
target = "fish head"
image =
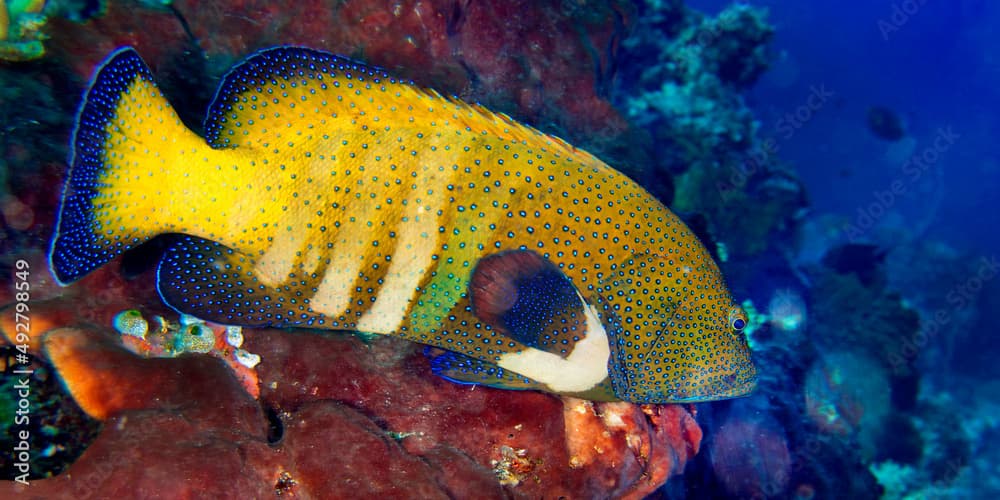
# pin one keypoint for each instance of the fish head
(678, 335)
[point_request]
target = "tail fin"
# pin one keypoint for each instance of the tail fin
(107, 206)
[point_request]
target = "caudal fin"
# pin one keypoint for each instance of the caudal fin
(107, 206)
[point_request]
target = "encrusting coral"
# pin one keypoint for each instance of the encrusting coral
(339, 404)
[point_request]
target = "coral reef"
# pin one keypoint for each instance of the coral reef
(848, 394)
(879, 329)
(751, 205)
(761, 447)
(339, 404)
(325, 411)
(751, 458)
(168, 339)
(547, 62)
(948, 465)
(686, 90)
(690, 97)
(687, 86)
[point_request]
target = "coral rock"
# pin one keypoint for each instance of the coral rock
(342, 409)
(511, 55)
(389, 378)
(751, 458)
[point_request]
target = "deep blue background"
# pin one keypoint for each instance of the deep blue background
(939, 68)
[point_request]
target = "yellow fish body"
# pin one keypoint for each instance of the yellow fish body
(329, 195)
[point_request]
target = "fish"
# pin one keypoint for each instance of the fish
(885, 123)
(327, 194)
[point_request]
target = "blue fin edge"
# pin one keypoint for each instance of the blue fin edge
(277, 64)
(491, 375)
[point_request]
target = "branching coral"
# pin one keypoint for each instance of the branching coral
(686, 91)
(690, 96)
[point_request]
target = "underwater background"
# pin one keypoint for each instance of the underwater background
(838, 159)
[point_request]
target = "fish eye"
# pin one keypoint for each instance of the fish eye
(737, 318)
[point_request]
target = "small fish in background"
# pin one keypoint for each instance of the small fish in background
(885, 123)
(329, 195)
(864, 260)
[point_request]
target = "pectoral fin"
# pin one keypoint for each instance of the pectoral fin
(529, 299)
(464, 369)
(216, 283)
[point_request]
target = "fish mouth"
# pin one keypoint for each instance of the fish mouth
(737, 390)
(731, 386)
(740, 389)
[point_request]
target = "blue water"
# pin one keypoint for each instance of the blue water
(936, 66)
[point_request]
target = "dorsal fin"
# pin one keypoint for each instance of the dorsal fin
(259, 98)
(271, 87)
